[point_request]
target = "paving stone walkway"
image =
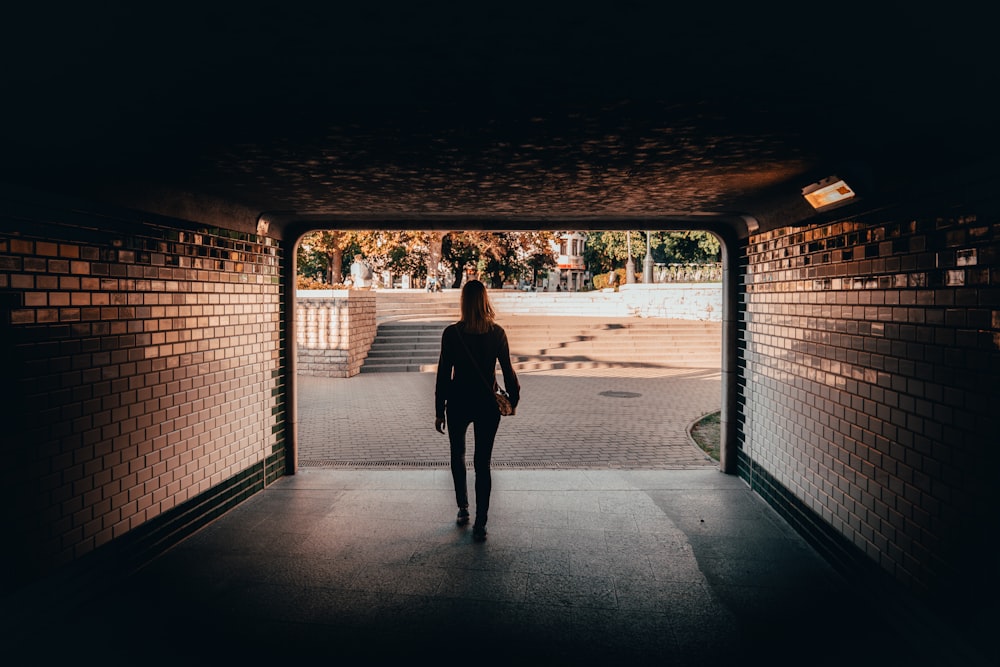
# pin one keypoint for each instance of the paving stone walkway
(625, 418)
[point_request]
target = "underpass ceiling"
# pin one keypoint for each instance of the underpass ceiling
(519, 111)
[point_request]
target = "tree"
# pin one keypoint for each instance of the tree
(498, 261)
(435, 252)
(609, 249)
(324, 250)
(383, 249)
(538, 262)
(604, 251)
(498, 257)
(409, 258)
(690, 247)
(459, 251)
(311, 265)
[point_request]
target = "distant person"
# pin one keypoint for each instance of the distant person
(612, 278)
(470, 350)
(361, 273)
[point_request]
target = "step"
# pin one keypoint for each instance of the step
(544, 365)
(397, 368)
(400, 338)
(375, 355)
(399, 329)
(409, 345)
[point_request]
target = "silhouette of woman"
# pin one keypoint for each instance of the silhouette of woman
(470, 350)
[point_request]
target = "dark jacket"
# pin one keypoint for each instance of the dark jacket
(460, 385)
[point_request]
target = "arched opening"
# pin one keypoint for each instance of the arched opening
(729, 232)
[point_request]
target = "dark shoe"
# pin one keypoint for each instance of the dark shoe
(479, 533)
(463, 516)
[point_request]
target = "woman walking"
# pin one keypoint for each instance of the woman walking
(470, 350)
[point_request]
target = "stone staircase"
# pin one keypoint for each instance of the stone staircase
(411, 343)
(403, 345)
(394, 305)
(540, 343)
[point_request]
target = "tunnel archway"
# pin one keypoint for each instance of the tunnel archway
(731, 231)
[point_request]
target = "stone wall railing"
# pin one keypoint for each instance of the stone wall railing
(687, 273)
(678, 301)
(334, 331)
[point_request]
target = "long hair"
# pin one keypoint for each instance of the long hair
(477, 313)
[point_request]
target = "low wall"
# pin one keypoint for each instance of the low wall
(334, 331)
(681, 301)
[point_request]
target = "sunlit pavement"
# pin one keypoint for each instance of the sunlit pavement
(636, 418)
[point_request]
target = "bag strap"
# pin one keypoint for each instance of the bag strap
(473, 360)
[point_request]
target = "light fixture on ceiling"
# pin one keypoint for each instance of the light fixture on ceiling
(828, 193)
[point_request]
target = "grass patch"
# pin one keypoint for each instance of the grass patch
(707, 433)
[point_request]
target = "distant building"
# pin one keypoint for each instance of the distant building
(571, 273)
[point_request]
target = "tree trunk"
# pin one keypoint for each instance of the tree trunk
(335, 264)
(459, 271)
(435, 240)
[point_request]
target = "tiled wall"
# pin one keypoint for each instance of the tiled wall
(144, 363)
(868, 387)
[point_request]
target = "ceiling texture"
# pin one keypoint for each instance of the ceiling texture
(423, 112)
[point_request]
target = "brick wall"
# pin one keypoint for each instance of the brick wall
(143, 361)
(868, 388)
(334, 332)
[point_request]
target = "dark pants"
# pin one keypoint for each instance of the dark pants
(484, 429)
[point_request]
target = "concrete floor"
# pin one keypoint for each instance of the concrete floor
(630, 548)
(664, 567)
